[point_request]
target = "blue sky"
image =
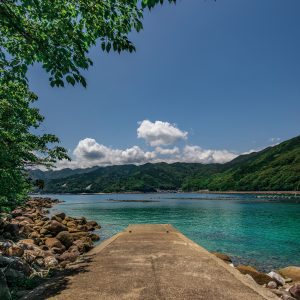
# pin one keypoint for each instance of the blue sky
(227, 73)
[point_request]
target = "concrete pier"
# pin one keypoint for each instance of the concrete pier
(155, 262)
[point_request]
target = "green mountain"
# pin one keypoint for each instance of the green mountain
(54, 174)
(274, 168)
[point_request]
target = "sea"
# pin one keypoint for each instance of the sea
(261, 231)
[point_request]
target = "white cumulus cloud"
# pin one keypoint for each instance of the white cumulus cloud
(160, 133)
(196, 154)
(89, 153)
(167, 151)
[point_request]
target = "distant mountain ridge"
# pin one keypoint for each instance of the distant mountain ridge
(55, 174)
(274, 168)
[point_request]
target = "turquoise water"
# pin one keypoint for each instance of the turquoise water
(257, 231)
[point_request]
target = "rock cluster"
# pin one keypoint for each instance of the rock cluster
(32, 243)
(285, 283)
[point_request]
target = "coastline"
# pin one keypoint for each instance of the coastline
(36, 245)
(290, 193)
(279, 283)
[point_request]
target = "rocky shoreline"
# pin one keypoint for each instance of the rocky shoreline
(285, 283)
(34, 246)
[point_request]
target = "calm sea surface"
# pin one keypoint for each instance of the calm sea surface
(258, 231)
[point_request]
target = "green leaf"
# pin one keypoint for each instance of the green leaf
(70, 80)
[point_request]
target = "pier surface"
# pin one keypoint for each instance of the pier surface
(155, 262)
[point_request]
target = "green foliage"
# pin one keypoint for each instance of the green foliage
(20, 148)
(59, 33)
(275, 168)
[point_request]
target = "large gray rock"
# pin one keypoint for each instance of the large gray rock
(222, 256)
(15, 250)
(12, 229)
(278, 278)
(295, 291)
(70, 256)
(272, 285)
(53, 243)
(50, 262)
(66, 238)
(13, 276)
(287, 296)
(60, 215)
(56, 227)
(5, 261)
(292, 272)
(259, 277)
(21, 266)
(4, 291)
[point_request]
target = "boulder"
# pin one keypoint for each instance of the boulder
(73, 248)
(12, 229)
(26, 242)
(34, 235)
(287, 296)
(81, 220)
(39, 222)
(44, 231)
(24, 219)
(6, 235)
(295, 291)
(39, 261)
(80, 234)
(26, 229)
(37, 228)
(17, 213)
(70, 256)
(50, 262)
(56, 227)
(15, 250)
(71, 224)
(65, 238)
(61, 215)
(13, 276)
(5, 261)
(64, 263)
(53, 242)
(33, 215)
(272, 285)
(20, 265)
(259, 277)
(290, 272)
(222, 256)
(94, 237)
(4, 246)
(68, 219)
(56, 250)
(93, 224)
(44, 248)
(84, 244)
(56, 218)
(278, 278)
(4, 291)
(83, 228)
(30, 256)
(73, 229)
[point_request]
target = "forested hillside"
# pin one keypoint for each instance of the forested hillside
(274, 168)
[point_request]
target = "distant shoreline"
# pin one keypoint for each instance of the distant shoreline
(252, 192)
(195, 192)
